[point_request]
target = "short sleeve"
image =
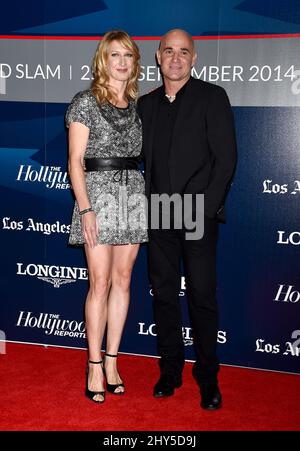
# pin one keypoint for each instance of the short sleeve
(79, 109)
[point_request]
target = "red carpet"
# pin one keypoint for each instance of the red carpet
(42, 389)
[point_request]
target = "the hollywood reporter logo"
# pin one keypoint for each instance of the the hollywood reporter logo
(286, 293)
(52, 324)
(51, 176)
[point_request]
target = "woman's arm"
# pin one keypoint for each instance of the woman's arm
(78, 138)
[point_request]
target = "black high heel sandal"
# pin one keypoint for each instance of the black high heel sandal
(91, 394)
(112, 387)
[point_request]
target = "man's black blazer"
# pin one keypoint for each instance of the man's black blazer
(202, 156)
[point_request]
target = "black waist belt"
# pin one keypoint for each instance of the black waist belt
(119, 164)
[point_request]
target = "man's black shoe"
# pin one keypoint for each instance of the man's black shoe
(211, 398)
(165, 386)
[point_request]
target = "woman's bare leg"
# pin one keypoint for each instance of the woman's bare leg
(123, 258)
(99, 265)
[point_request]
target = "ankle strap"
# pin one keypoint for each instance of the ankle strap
(111, 355)
(91, 361)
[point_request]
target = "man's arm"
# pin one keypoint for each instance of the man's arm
(222, 142)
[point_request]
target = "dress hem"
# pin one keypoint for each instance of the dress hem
(114, 243)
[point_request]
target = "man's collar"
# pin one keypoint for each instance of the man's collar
(181, 90)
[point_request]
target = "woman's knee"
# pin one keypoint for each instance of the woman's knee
(100, 285)
(121, 279)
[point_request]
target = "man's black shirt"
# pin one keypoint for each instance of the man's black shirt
(167, 113)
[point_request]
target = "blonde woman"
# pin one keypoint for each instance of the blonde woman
(109, 217)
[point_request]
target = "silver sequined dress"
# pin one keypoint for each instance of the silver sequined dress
(117, 196)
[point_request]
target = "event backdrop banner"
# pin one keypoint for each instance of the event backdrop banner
(251, 48)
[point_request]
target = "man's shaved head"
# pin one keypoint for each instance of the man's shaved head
(178, 33)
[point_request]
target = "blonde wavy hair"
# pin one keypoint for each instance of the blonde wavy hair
(100, 88)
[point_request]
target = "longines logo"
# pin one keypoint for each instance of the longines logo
(52, 176)
(288, 238)
(285, 294)
(55, 275)
(182, 288)
(269, 187)
(35, 226)
(291, 348)
(186, 333)
(51, 324)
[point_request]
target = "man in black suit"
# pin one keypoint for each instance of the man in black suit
(189, 149)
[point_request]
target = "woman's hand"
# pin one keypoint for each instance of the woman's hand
(90, 228)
